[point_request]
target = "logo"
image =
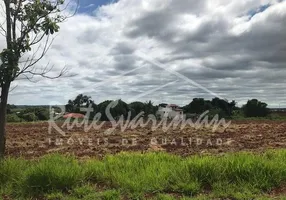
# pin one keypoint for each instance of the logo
(151, 121)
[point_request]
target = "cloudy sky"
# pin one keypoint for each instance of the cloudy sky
(167, 51)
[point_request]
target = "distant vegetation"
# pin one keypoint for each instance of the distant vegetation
(253, 108)
(221, 107)
(27, 113)
(144, 176)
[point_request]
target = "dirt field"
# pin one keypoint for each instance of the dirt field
(34, 140)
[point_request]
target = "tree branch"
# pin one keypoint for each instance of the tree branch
(33, 61)
(2, 29)
(17, 10)
(40, 24)
(11, 89)
(8, 24)
(45, 71)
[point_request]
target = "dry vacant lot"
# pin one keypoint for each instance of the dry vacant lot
(33, 139)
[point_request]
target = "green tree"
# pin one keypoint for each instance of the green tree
(149, 108)
(27, 23)
(121, 109)
(198, 106)
(30, 117)
(255, 108)
(9, 108)
(13, 118)
(101, 109)
(225, 106)
(79, 102)
(137, 107)
(42, 113)
(218, 106)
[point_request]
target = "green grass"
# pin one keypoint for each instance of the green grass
(144, 176)
(52, 173)
(270, 117)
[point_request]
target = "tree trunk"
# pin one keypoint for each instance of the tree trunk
(3, 109)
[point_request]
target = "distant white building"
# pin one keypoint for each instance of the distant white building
(169, 111)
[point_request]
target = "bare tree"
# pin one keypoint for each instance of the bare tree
(28, 25)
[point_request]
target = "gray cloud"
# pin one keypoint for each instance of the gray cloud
(214, 43)
(122, 48)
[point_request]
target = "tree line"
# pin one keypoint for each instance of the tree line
(253, 108)
(216, 106)
(27, 114)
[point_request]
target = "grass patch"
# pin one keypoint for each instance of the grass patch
(136, 172)
(11, 170)
(144, 176)
(51, 173)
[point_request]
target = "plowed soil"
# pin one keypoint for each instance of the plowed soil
(31, 140)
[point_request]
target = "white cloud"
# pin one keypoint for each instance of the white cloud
(213, 42)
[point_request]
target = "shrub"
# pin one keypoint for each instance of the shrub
(42, 114)
(255, 108)
(217, 111)
(13, 118)
(30, 117)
